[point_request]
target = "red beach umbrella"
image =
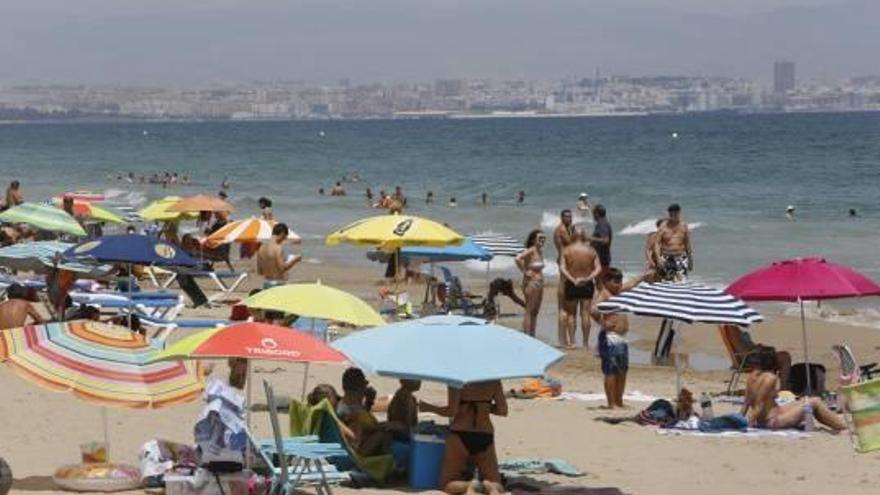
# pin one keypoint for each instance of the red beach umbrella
(803, 279)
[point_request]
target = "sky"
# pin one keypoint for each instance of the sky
(215, 41)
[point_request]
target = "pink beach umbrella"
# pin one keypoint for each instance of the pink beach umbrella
(803, 279)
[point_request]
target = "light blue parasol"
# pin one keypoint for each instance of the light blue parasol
(454, 350)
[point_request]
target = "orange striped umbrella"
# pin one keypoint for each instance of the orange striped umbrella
(248, 230)
(100, 363)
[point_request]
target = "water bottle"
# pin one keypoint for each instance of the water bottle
(809, 422)
(706, 405)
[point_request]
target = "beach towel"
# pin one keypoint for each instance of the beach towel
(863, 403)
(538, 388)
(520, 466)
(634, 396)
(748, 433)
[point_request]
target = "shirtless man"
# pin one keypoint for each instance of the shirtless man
(14, 196)
(579, 266)
(672, 247)
(270, 257)
(15, 311)
(613, 349)
(337, 190)
(760, 406)
(562, 238)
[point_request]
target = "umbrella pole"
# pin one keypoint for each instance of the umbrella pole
(806, 359)
(247, 413)
(130, 306)
(306, 370)
(106, 428)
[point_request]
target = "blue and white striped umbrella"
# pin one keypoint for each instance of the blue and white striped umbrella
(498, 244)
(683, 301)
(38, 256)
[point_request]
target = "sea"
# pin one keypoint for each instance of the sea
(733, 175)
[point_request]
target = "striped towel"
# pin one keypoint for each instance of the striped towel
(863, 402)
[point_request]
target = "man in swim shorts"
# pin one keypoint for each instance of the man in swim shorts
(672, 247)
(561, 239)
(613, 348)
(578, 266)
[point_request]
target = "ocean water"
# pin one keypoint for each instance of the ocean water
(733, 175)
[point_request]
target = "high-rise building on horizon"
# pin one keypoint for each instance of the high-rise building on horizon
(783, 77)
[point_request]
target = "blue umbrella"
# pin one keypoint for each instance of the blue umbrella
(132, 249)
(467, 250)
(454, 350)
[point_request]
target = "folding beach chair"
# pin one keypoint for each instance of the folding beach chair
(850, 371)
(739, 351)
(226, 282)
(456, 298)
(160, 277)
(308, 457)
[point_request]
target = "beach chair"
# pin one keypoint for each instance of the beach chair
(850, 371)
(308, 456)
(739, 351)
(226, 282)
(456, 298)
(160, 277)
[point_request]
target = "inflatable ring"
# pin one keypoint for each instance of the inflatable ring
(97, 477)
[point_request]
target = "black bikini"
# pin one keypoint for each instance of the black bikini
(475, 442)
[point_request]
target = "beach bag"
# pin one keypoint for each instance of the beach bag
(659, 413)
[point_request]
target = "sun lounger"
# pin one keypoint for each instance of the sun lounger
(309, 458)
(159, 307)
(160, 277)
(226, 282)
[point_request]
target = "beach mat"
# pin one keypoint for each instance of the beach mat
(634, 396)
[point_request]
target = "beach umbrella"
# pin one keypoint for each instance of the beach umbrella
(498, 244)
(85, 209)
(391, 232)
(157, 211)
(467, 250)
(248, 230)
(803, 279)
(200, 202)
(316, 301)
(100, 363)
(130, 248)
(39, 256)
(43, 217)
(251, 340)
(453, 350)
(686, 302)
(88, 196)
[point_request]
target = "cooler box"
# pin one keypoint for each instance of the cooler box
(425, 461)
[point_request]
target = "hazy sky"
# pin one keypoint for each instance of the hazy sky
(198, 41)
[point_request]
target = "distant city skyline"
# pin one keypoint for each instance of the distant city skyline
(215, 41)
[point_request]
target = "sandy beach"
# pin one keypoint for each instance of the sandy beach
(42, 429)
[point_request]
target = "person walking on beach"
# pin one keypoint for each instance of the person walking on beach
(672, 247)
(578, 268)
(270, 257)
(613, 348)
(266, 209)
(602, 236)
(561, 239)
(531, 263)
(14, 196)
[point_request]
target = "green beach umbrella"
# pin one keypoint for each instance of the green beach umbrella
(43, 217)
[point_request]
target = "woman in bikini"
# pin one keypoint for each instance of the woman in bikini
(762, 411)
(531, 263)
(471, 439)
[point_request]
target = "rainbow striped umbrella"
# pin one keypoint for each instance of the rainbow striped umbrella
(100, 363)
(249, 230)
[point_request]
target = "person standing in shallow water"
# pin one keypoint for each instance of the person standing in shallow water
(561, 239)
(531, 263)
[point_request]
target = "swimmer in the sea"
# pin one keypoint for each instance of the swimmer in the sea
(789, 213)
(583, 203)
(521, 197)
(853, 213)
(429, 198)
(452, 202)
(484, 199)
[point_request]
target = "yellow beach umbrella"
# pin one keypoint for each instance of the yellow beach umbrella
(391, 232)
(157, 211)
(316, 301)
